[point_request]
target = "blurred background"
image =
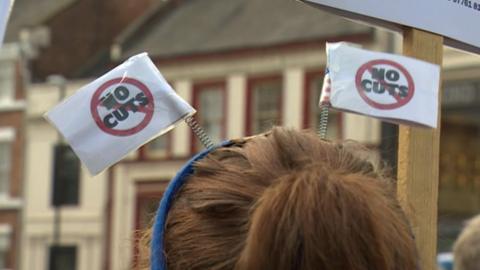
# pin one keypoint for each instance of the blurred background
(245, 65)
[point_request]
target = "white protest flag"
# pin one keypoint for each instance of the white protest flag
(394, 88)
(5, 9)
(118, 112)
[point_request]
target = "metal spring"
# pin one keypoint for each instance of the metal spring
(323, 122)
(199, 132)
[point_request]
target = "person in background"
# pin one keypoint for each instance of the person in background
(282, 200)
(466, 250)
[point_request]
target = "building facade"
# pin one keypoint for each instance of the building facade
(72, 233)
(12, 141)
(42, 39)
(459, 195)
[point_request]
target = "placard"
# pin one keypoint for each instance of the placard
(456, 20)
(390, 87)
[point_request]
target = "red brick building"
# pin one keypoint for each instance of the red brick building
(12, 111)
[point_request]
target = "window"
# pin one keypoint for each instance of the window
(209, 100)
(265, 97)
(5, 167)
(3, 258)
(5, 234)
(7, 81)
(314, 84)
(63, 258)
(7, 137)
(159, 147)
(66, 176)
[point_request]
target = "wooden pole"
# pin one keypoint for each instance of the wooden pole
(418, 158)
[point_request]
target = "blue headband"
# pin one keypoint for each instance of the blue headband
(157, 259)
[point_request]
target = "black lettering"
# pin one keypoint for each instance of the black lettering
(108, 101)
(378, 74)
(142, 99)
(107, 121)
(121, 93)
(403, 91)
(393, 75)
(367, 85)
(378, 88)
(121, 114)
(391, 88)
(130, 104)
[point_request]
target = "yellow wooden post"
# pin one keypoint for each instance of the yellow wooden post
(418, 158)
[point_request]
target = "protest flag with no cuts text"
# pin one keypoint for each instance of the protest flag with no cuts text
(118, 112)
(391, 87)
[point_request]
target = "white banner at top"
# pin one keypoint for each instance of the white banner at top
(457, 20)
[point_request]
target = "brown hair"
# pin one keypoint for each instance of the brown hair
(287, 200)
(467, 247)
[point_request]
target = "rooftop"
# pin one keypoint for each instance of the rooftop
(204, 26)
(30, 13)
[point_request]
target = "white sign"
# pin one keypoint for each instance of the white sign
(118, 112)
(5, 9)
(457, 20)
(391, 87)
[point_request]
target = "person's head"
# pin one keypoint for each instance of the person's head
(287, 200)
(466, 249)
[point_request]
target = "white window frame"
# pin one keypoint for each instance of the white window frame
(152, 152)
(256, 115)
(7, 135)
(9, 66)
(200, 89)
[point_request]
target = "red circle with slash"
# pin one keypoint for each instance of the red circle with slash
(114, 96)
(366, 69)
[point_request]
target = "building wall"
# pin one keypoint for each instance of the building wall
(12, 109)
(9, 219)
(13, 120)
(459, 179)
(293, 67)
(460, 137)
(81, 225)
